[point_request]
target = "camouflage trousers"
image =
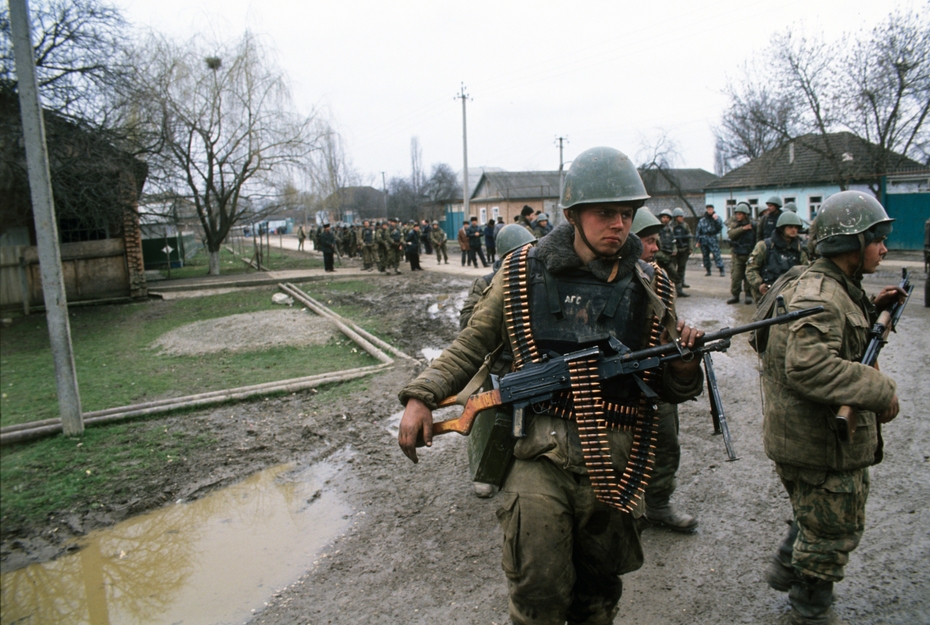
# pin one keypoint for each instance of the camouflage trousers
(709, 246)
(564, 551)
(829, 509)
(370, 256)
(667, 457)
(738, 279)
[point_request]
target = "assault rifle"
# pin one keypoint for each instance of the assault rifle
(847, 418)
(540, 381)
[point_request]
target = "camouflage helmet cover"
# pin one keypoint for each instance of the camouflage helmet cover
(602, 175)
(511, 237)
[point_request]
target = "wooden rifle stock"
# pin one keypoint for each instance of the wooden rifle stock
(475, 404)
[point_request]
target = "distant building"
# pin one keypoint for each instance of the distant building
(800, 172)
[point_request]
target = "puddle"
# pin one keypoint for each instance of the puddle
(447, 305)
(214, 560)
(430, 353)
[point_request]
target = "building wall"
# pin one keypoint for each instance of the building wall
(808, 198)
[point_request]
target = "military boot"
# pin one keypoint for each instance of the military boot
(680, 293)
(781, 574)
(722, 272)
(668, 516)
(734, 299)
(810, 599)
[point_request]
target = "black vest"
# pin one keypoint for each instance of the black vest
(743, 243)
(780, 256)
(574, 310)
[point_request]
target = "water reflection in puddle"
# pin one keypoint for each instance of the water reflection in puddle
(214, 560)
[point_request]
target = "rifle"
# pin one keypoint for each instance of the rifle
(540, 381)
(847, 417)
(716, 407)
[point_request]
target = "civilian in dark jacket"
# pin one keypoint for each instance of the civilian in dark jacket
(474, 233)
(413, 248)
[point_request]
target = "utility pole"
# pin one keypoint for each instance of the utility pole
(43, 212)
(561, 165)
(464, 96)
(384, 196)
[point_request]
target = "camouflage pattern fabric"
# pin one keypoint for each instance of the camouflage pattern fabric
(830, 516)
(667, 457)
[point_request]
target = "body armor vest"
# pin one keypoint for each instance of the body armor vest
(744, 243)
(667, 240)
(682, 236)
(368, 236)
(576, 310)
(780, 256)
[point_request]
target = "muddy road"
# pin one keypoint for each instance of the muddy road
(421, 548)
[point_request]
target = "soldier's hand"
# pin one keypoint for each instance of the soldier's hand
(889, 413)
(888, 296)
(688, 337)
(763, 289)
(416, 428)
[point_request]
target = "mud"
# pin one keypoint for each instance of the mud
(422, 548)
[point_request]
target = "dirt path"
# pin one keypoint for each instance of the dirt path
(422, 549)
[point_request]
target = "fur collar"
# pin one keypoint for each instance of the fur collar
(556, 251)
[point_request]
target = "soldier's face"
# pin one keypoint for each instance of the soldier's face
(791, 232)
(650, 247)
(873, 255)
(606, 226)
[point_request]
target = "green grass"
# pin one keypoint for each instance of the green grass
(116, 365)
(231, 264)
(58, 474)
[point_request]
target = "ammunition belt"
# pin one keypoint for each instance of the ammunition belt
(584, 404)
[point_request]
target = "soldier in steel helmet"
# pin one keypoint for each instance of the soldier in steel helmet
(771, 258)
(567, 536)
(742, 241)
(667, 255)
(768, 220)
(439, 239)
(810, 368)
(659, 508)
(683, 245)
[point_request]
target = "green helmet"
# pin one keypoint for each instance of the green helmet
(645, 223)
(665, 212)
(743, 207)
(602, 175)
(790, 206)
(678, 213)
(511, 237)
(846, 215)
(542, 217)
(774, 200)
(788, 218)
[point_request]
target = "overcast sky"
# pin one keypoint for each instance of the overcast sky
(597, 72)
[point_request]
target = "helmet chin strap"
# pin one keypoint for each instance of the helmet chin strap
(576, 224)
(861, 238)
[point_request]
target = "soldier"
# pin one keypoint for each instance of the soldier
(301, 237)
(742, 240)
(413, 247)
(366, 241)
(768, 220)
(328, 247)
(511, 238)
(525, 217)
(568, 535)
(659, 508)
(775, 256)
(708, 227)
(438, 238)
(682, 245)
(425, 238)
(810, 368)
(667, 256)
(541, 226)
(383, 243)
(489, 242)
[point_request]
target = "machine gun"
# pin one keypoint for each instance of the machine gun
(847, 417)
(540, 381)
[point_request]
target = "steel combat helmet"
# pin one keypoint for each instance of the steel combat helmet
(645, 223)
(743, 207)
(850, 220)
(774, 200)
(788, 219)
(678, 213)
(511, 237)
(602, 175)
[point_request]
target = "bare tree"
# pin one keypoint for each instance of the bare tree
(658, 156)
(442, 184)
(875, 85)
(331, 171)
(220, 129)
(78, 53)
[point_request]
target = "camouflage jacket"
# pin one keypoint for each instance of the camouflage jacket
(547, 435)
(811, 368)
